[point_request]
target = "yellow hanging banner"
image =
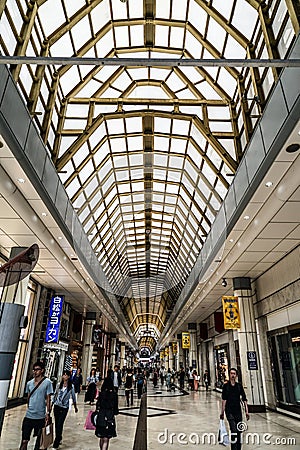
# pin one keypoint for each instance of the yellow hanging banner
(174, 347)
(167, 351)
(185, 340)
(231, 313)
(162, 354)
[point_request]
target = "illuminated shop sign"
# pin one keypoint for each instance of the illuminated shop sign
(53, 325)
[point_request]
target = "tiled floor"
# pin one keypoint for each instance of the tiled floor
(196, 415)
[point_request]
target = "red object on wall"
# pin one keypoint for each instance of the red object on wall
(219, 322)
(203, 331)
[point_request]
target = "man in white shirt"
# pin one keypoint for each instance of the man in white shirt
(117, 379)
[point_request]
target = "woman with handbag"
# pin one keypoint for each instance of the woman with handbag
(107, 406)
(63, 393)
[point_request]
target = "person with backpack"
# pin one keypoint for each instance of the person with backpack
(129, 385)
(232, 393)
(64, 391)
(140, 382)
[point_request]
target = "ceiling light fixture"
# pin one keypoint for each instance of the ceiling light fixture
(269, 184)
(44, 214)
(246, 217)
(21, 180)
(292, 148)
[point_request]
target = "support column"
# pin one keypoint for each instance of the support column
(113, 346)
(249, 353)
(12, 309)
(88, 347)
(171, 362)
(212, 364)
(232, 352)
(122, 355)
(180, 355)
(192, 328)
(265, 362)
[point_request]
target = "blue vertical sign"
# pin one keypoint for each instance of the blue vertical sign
(53, 325)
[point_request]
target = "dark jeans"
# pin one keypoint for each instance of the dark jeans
(129, 392)
(32, 424)
(60, 415)
(233, 420)
(140, 389)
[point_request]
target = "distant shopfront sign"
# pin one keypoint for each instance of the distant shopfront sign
(54, 319)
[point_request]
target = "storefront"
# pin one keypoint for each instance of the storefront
(285, 357)
(221, 364)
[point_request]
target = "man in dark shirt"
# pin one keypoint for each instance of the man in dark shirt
(231, 404)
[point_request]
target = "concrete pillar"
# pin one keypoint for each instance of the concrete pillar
(11, 321)
(113, 346)
(87, 349)
(232, 352)
(180, 355)
(192, 328)
(171, 361)
(212, 364)
(248, 343)
(122, 355)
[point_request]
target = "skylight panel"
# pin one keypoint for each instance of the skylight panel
(119, 10)
(121, 35)
(81, 33)
(49, 20)
(100, 15)
(136, 35)
(162, 125)
(179, 9)
(118, 144)
(74, 110)
(192, 45)
(234, 49)
(134, 125)
(244, 18)
(122, 82)
(197, 17)
(87, 91)
(161, 144)
(161, 35)
(192, 74)
(158, 74)
(224, 8)
(69, 80)
(62, 47)
(137, 74)
(178, 145)
(8, 35)
(76, 124)
(207, 91)
(176, 162)
(185, 94)
(73, 187)
(177, 35)
(105, 45)
(175, 83)
(163, 9)
(73, 7)
(120, 161)
(98, 135)
(136, 160)
(135, 143)
(216, 35)
(115, 126)
(227, 82)
(101, 153)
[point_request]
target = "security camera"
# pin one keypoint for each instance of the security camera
(224, 282)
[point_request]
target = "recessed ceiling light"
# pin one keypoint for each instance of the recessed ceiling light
(230, 240)
(246, 217)
(44, 214)
(292, 148)
(21, 180)
(59, 237)
(269, 184)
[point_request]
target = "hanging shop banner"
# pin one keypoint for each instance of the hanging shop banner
(162, 354)
(167, 351)
(231, 312)
(53, 325)
(174, 347)
(186, 340)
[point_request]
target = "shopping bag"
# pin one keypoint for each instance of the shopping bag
(88, 422)
(46, 436)
(223, 437)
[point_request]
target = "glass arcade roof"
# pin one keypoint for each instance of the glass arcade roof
(146, 154)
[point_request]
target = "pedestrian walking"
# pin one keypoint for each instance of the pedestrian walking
(232, 393)
(39, 390)
(107, 406)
